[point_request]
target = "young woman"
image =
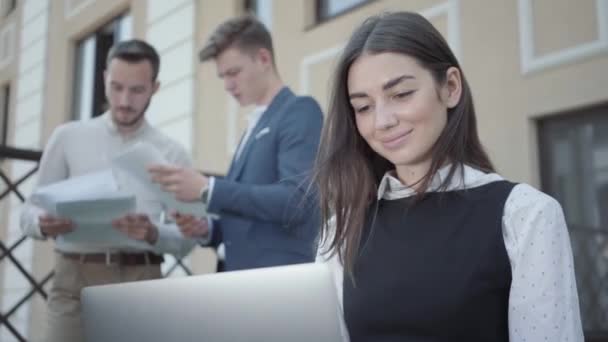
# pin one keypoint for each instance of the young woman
(427, 242)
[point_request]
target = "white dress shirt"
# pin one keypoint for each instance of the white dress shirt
(543, 300)
(78, 148)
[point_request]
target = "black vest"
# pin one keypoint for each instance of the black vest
(432, 271)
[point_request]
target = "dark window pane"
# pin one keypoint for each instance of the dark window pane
(574, 166)
(251, 6)
(262, 9)
(9, 6)
(5, 97)
(330, 8)
(82, 99)
(88, 93)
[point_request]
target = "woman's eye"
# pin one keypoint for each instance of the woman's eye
(403, 94)
(362, 109)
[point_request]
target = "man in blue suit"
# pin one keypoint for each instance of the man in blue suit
(267, 215)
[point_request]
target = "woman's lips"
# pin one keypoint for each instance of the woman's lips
(395, 141)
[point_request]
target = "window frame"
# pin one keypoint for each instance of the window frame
(9, 7)
(574, 118)
(111, 29)
(320, 18)
(6, 113)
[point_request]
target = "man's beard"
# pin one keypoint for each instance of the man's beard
(136, 120)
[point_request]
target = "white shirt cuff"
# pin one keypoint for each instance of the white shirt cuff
(211, 186)
(207, 238)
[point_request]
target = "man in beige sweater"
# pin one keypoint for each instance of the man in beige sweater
(82, 147)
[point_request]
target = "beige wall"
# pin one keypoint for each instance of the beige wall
(9, 33)
(522, 64)
(507, 100)
(487, 36)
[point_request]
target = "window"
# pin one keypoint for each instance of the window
(8, 7)
(5, 97)
(261, 9)
(327, 9)
(88, 93)
(574, 169)
(251, 6)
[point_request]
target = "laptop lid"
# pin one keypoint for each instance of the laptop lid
(286, 303)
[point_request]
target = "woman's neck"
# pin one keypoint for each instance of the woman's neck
(412, 175)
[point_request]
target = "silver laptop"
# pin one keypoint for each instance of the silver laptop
(287, 303)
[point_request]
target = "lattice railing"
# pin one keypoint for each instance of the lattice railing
(590, 249)
(8, 252)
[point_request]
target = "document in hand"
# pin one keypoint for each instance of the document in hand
(91, 201)
(135, 162)
(93, 220)
(90, 186)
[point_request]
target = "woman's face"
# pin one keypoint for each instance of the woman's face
(399, 109)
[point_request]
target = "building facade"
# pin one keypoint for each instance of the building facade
(538, 70)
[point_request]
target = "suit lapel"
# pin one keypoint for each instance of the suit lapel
(277, 103)
(233, 161)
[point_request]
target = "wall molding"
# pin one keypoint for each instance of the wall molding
(159, 18)
(168, 47)
(531, 63)
(310, 60)
(72, 10)
(449, 8)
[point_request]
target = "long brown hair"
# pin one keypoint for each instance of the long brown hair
(348, 171)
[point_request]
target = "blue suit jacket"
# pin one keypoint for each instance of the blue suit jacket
(268, 215)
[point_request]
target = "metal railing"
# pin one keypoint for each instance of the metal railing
(7, 252)
(590, 249)
(37, 287)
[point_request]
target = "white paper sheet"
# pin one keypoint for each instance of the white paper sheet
(91, 201)
(135, 162)
(94, 185)
(93, 220)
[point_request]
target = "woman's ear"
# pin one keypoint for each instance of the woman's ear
(453, 87)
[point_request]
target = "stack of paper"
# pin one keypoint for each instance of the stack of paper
(91, 201)
(93, 220)
(90, 186)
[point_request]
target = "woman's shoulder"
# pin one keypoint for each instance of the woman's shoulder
(531, 215)
(524, 197)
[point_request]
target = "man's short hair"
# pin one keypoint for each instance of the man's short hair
(245, 33)
(134, 51)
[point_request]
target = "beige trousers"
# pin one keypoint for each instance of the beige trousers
(71, 276)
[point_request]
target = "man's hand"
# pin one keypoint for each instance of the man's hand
(138, 227)
(191, 226)
(52, 226)
(185, 183)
